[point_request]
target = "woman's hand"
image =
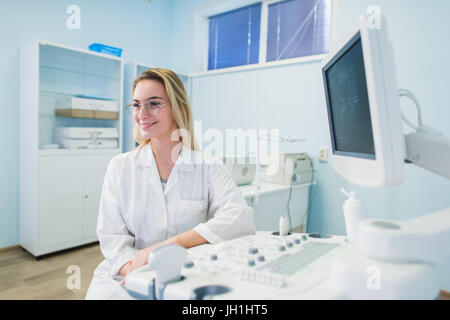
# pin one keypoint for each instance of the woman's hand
(139, 260)
(126, 268)
(187, 239)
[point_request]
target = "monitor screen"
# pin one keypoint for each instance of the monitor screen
(348, 102)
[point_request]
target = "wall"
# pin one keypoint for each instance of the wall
(143, 30)
(291, 98)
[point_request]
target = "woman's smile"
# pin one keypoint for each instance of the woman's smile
(148, 124)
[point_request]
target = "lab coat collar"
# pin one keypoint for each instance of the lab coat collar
(185, 162)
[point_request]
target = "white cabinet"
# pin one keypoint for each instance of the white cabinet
(94, 169)
(59, 208)
(67, 214)
(59, 187)
(68, 194)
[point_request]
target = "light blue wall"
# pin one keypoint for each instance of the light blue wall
(143, 30)
(291, 98)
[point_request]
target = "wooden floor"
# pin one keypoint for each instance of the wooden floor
(22, 277)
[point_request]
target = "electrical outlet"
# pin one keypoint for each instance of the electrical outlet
(323, 155)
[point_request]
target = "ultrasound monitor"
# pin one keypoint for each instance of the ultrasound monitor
(363, 108)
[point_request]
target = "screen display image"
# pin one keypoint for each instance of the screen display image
(348, 103)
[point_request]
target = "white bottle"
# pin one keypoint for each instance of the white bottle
(354, 212)
(284, 226)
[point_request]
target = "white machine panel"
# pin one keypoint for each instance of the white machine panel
(268, 266)
(261, 266)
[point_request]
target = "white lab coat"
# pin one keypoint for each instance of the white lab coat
(136, 213)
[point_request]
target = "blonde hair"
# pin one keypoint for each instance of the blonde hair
(179, 101)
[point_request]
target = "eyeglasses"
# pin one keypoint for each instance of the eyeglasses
(151, 106)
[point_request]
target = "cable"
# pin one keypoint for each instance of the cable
(288, 204)
(311, 195)
(313, 190)
(409, 94)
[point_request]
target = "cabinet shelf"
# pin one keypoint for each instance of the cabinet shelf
(68, 94)
(87, 114)
(45, 68)
(53, 115)
(73, 152)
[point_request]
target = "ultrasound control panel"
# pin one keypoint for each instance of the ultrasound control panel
(261, 266)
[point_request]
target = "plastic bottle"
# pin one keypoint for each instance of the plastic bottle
(354, 212)
(284, 226)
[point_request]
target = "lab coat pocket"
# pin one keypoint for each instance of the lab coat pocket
(193, 207)
(192, 213)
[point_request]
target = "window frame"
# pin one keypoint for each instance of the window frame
(199, 63)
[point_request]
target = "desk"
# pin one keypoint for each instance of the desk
(249, 190)
(273, 203)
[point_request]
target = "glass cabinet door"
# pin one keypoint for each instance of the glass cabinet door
(66, 76)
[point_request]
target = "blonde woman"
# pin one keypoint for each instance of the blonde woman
(163, 192)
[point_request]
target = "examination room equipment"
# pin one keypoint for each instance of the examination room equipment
(274, 163)
(242, 169)
(286, 168)
(388, 259)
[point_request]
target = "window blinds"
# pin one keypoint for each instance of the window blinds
(298, 28)
(234, 37)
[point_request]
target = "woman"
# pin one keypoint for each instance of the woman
(163, 192)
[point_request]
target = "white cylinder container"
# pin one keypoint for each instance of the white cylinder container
(354, 212)
(284, 226)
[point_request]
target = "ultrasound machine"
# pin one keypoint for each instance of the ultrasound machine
(388, 259)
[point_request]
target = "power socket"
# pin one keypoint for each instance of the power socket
(323, 154)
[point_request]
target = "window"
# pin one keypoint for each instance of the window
(295, 28)
(234, 37)
(298, 28)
